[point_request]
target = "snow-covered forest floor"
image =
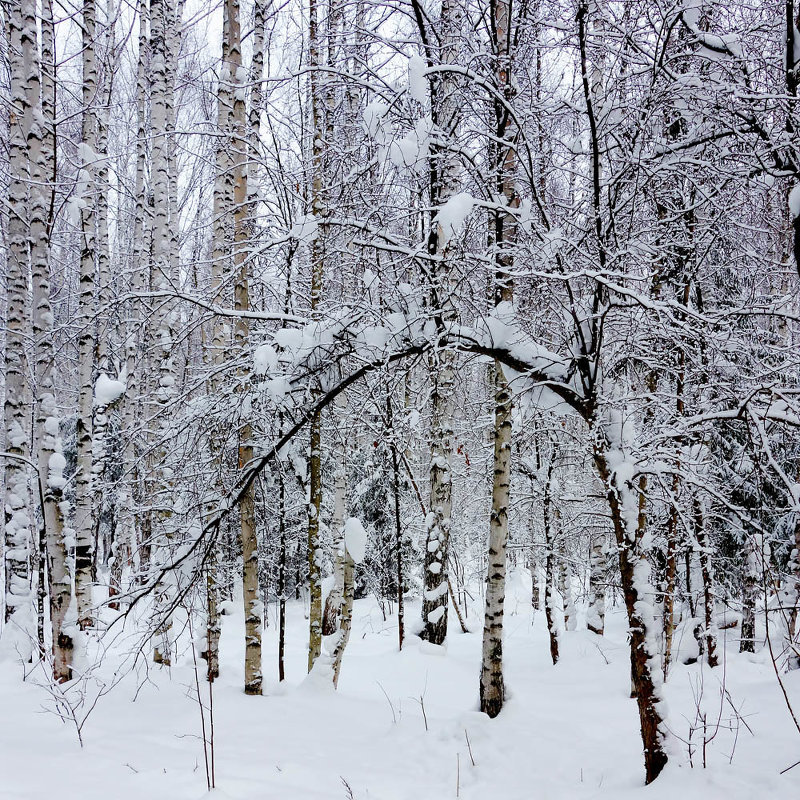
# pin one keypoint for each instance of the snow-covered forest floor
(402, 725)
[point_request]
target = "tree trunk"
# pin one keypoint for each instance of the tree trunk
(671, 574)
(750, 586)
(444, 169)
(281, 576)
(565, 588)
(317, 272)
(596, 615)
(634, 574)
(398, 530)
(550, 563)
(84, 483)
(331, 619)
(707, 571)
(161, 13)
(51, 461)
(346, 617)
(492, 690)
(16, 501)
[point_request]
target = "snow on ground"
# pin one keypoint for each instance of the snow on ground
(568, 731)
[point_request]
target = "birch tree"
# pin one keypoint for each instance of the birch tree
(318, 211)
(16, 502)
(504, 173)
(444, 171)
(161, 12)
(86, 197)
(40, 88)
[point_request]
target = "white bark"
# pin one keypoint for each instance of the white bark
(87, 192)
(492, 688)
(17, 498)
(50, 459)
(596, 613)
(445, 174)
(161, 15)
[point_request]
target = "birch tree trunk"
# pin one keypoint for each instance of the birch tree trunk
(222, 248)
(444, 170)
(239, 211)
(130, 534)
(565, 587)
(84, 483)
(331, 619)
(492, 689)
(16, 501)
(51, 461)
(161, 13)
(281, 576)
(346, 616)
(317, 271)
(750, 587)
(596, 614)
(398, 530)
(105, 327)
(709, 594)
(550, 562)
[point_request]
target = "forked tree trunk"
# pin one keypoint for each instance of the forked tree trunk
(646, 670)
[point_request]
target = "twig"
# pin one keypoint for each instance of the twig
(469, 747)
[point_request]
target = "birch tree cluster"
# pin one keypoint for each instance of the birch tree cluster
(336, 298)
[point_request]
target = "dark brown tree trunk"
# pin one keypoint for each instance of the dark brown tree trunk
(643, 661)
